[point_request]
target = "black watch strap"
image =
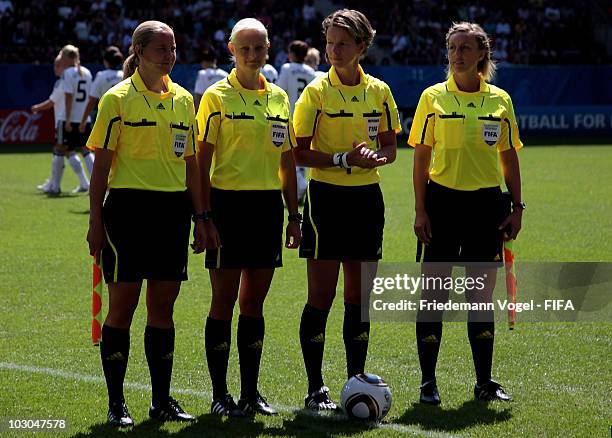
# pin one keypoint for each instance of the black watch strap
(519, 204)
(296, 217)
(204, 216)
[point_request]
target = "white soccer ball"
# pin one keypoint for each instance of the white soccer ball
(366, 397)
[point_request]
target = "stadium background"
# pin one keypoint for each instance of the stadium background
(554, 59)
(553, 56)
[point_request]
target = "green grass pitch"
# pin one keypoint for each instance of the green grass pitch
(558, 373)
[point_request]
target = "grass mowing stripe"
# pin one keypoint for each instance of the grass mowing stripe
(64, 374)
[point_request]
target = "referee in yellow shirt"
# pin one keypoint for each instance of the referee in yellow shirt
(145, 158)
(346, 124)
(461, 128)
(244, 136)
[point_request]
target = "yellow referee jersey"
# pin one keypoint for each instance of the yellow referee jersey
(336, 115)
(151, 135)
(466, 132)
(250, 130)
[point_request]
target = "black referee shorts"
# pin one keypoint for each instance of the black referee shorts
(343, 222)
(76, 139)
(250, 226)
(464, 225)
(148, 235)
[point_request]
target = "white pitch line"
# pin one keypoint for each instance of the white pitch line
(69, 375)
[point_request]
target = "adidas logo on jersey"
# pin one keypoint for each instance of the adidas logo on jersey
(497, 258)
(160, 106)
(354, 99)
(471, 105)
(256, 103)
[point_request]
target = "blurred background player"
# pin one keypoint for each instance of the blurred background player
(76, 82)
(293, 78)
(105, 79)
(313, 59)
(269, 72)
(209, 74)
(55, 101)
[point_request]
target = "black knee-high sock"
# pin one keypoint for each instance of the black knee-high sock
(114, 351)
(356, 335)
(159, 350)
(312, 340)
(250, 343)
(217, 340)
(482, 337)
(428, 336)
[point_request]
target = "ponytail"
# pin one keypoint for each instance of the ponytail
(130, 64)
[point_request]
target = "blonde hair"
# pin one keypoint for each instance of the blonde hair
(249, 23)
(355, 23)
(142, 36)
(313, 58)
(486, 67)
(72, 53)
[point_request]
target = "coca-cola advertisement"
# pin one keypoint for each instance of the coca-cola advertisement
(19, 126)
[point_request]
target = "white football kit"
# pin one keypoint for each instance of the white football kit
(104, 81)
(79, 85)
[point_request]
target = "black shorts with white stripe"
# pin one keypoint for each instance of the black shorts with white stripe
(75, 139)
(60, 135)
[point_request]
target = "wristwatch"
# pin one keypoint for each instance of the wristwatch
(204, 216)
(297, 217)
(519, 204)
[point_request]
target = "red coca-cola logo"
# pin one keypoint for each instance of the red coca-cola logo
(20, 126)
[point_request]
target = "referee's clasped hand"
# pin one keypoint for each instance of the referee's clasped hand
(362, 156)
(293, 235)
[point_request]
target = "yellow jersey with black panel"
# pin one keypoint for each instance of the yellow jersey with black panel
(336, 115)
(250, 130)
(151, 134)
(466, 132)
